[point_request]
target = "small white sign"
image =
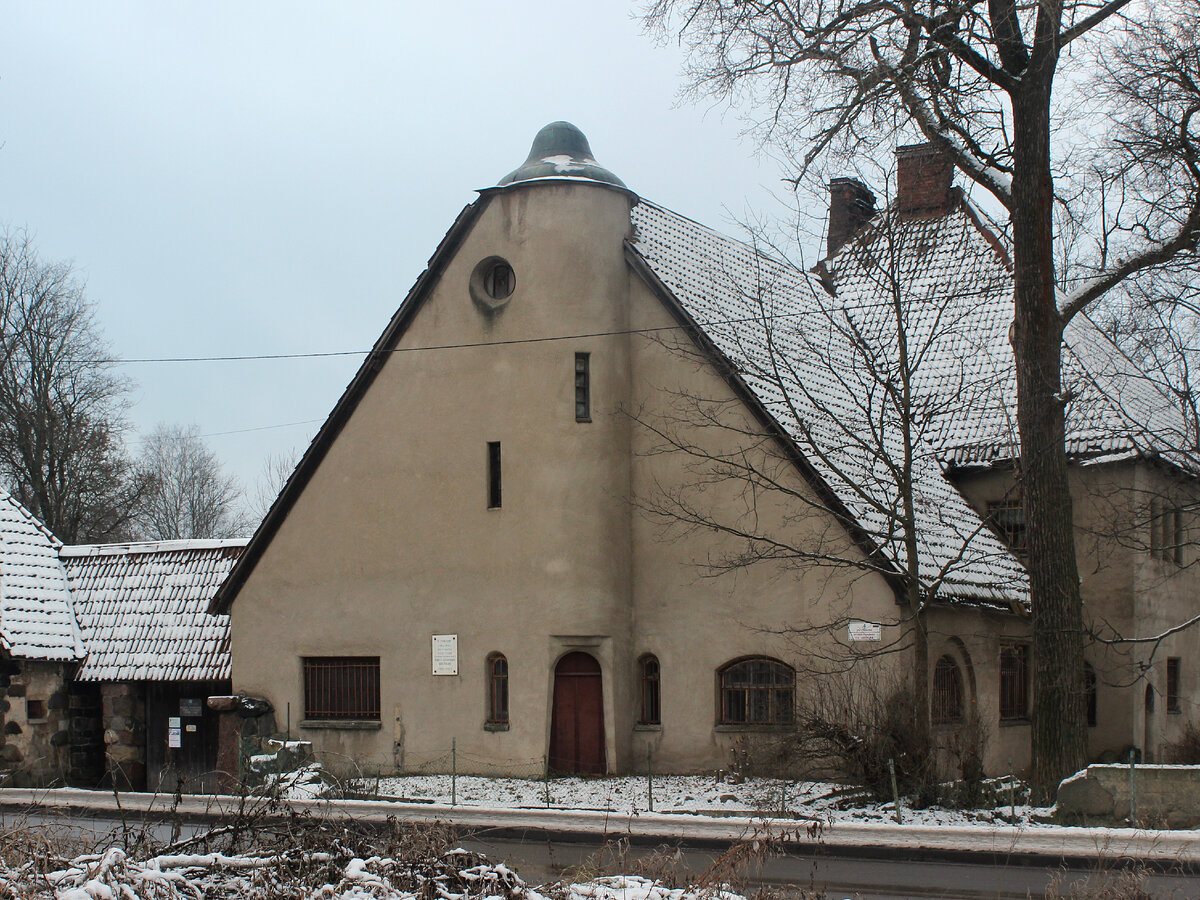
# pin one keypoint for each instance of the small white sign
(174, 733)
(445, 654)
(866, 631)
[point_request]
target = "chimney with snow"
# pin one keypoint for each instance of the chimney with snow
(923, 181)
(851, 204)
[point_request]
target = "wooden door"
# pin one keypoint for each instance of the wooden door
(577, 721)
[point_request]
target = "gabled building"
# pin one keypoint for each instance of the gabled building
(1134, 462)
(154, 656)
(502, 536)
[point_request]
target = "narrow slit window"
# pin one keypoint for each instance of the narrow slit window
(583, 387)
(1173, 705)
(497, 689)
(494, 482)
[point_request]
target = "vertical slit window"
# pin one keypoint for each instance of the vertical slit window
(1173, 706)
(651, 714)
(493, 467)
(583, 387)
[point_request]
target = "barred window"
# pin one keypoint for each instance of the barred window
(947, 692)
(757, 691)
(651, 714)
(497, 668)
(341, 687)
(583, 387)
(1014, 683)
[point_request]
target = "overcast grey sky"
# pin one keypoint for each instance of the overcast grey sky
(238, 178)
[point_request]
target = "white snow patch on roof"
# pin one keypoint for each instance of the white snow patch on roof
(36, 616)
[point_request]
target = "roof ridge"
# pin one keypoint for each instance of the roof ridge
(137, 547)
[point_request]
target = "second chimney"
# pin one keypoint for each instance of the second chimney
(851, 204)
(923, 180)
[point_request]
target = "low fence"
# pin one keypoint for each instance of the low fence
(454, 765)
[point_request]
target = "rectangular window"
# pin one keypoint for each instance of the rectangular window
(1167, 537)
(583, 387)
(1008, 518)
(493, 464)
(1173, 685)
(341, 687)
(1014, 683)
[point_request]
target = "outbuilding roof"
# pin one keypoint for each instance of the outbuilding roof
(36, 618)
(142, 608)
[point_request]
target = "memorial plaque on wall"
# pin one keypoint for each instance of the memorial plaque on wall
(445, 654)
(865, 631)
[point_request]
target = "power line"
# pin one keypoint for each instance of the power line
(535, 340)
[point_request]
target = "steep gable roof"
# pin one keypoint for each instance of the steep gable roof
(955, 267)
(36, 617)
(142, 609)
(786, 342)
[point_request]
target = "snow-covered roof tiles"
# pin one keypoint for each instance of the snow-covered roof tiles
(806, 360)
(142, 609)
(954, 269)
(36, 620)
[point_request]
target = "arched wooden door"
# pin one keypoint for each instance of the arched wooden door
(577, 720)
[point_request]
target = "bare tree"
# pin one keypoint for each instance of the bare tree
(62, 401)
(860, 384)
(189, 496)
(995, 86)
(276, 471)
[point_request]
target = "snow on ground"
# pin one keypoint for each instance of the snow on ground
(456, 875)
(699, 794)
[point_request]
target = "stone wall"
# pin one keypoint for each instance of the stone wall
(124, 710)
(1100, 795)
(33, 750)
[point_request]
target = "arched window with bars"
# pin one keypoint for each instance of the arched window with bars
(947, 701)
(757, 691)
(497, 674)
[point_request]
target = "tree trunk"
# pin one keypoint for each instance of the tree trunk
(1059, 734)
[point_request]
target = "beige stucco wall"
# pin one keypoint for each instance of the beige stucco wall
(391, 542)
(1127, 593)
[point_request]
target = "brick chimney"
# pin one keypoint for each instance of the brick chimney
(923, 181)
(851, 204)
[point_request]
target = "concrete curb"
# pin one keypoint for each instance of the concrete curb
(1051, 843)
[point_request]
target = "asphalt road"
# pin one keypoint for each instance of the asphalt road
(834, 872)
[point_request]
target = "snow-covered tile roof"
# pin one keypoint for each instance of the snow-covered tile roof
(142, 609)
(816, 368)
(36, 619)
(954, 268)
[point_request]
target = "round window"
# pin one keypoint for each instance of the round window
(493, 283)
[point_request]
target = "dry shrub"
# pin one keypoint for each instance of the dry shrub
(1121, 884)
(1186, 750)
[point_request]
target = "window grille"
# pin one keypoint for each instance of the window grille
(497, 689)
(651, 714)
(1014, 683)
(758, 692)
(341, 687)
(583, 387)
(947, 692)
